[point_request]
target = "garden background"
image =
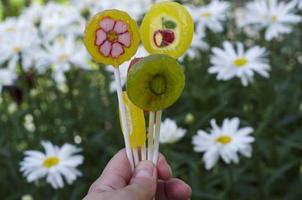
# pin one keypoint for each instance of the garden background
(83, 111)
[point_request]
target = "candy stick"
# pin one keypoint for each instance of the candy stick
(143, 152)
(135, 156)
(156, 137)
(150, 135)
(123, 116)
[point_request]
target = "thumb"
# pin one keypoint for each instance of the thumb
(143, 183)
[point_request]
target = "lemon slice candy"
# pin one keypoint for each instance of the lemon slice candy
(136, 123)
(111, 37)
(167, 28)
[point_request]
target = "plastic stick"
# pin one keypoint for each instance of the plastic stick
(156, 137)
(123, 116)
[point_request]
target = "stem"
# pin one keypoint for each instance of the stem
(143, 152)
(135, 156)
(156, 140)
(150, 135)
(123, 115)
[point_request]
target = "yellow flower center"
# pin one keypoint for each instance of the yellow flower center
(274, 18)
(206, 14)
(17, 49)
(112, 36)
(63, 57)
(51, 162)
(240, 62)
(224, 139)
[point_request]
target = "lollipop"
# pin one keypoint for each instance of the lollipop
(155, 83)
(112, 37)
(167, 29)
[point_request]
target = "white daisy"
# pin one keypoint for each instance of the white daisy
(276, 18)
(58, 19)
(210, 16)
(7, 77)
(61, 55)
(228, 63)
(169, 132)
(226, 142)
(141, 52)
(198, 43)
(20, 39)
(54, 164)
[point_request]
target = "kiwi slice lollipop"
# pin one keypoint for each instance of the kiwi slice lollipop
(155, 82)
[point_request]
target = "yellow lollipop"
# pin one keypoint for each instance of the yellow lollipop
(136, 123)
(167, 28)
(111, 37)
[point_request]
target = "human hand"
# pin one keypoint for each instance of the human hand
(147, 181)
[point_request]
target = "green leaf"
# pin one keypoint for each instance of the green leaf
(169, 24)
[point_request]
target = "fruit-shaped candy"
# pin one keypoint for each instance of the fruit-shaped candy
(155, 82)
(167, 28)
(111, 37)
(136, 123)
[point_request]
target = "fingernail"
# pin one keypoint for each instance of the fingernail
(144, 169)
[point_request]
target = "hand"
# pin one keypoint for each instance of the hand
(147, 181)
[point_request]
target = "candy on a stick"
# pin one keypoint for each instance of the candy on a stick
(112, 37)
(167, 28)
(155, 82)
(135, 122)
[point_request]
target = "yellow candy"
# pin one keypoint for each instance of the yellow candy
(167, 28)
(136, 123)
(111, 37)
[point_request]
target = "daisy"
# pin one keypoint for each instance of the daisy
(226, 142)
(7, 77)
(61, 55)
(228, 62)
(198, 43)
(20, 39)
(58, 19)
(170, 133)
(54, 164)
(211, 16)
(141, 52)
(276, 18)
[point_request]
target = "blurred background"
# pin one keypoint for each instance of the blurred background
(51, 90)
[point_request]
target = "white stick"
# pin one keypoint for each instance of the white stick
(135, 156)
(123, 115)
(150, 135)
(156, 137)
(143, 152)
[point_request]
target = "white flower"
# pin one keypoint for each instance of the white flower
(58, 19)
(211, 16)
(61, 55)
(7, 77)
(20, 38)
(198, 43)
(275, 17)
(33, 13)
(141, 52)
(170, 133)
(228, 63)
(54, 164)
(226, 142)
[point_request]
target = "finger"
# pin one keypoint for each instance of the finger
(116, 174)
(176, 189)
(143, 182)
(160, 191)
(163, 168)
